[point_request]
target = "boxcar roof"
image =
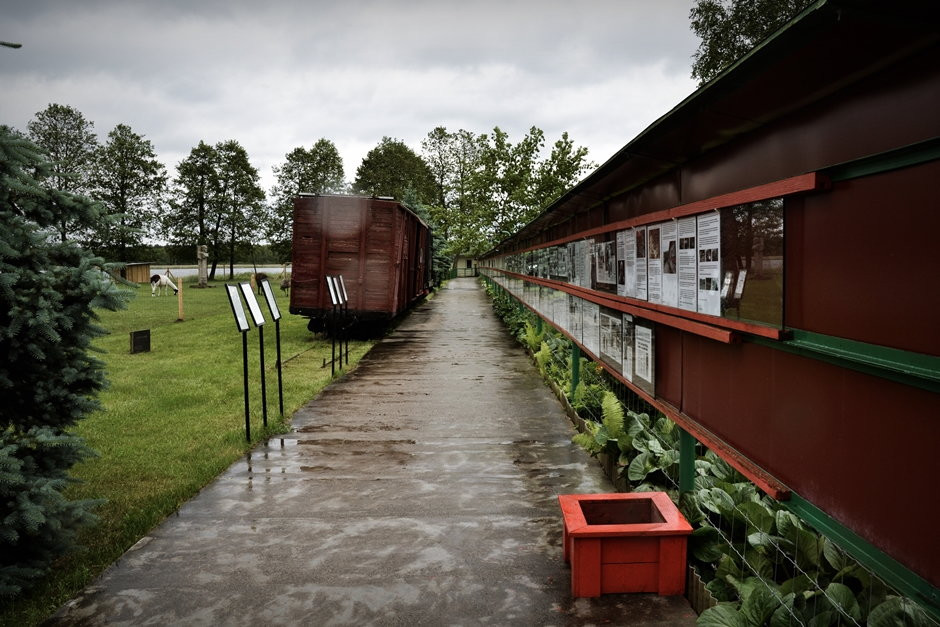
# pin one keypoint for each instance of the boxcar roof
(388, 199)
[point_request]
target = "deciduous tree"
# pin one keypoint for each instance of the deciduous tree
(317, 170)
(195, 187)
(730, 28)
(69, 141)
(239, 204)
(391, 169)
(130, 183)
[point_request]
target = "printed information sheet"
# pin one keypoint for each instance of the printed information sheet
(669, 255)
(605, 262)
(590, 326)
(709, 263)
(612, 338)
(574, 318)
(654, 263)
(643, 364)
(640, 262)
(628, 348)
(688, 268)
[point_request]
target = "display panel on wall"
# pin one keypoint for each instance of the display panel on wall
(727, 262)
(625, 343)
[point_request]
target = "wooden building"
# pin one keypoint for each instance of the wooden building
(773, 239)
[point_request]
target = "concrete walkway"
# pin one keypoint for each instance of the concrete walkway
(419, 490)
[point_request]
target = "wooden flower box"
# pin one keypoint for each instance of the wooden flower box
(633, 542)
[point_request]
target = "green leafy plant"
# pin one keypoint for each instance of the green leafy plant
(760, 561)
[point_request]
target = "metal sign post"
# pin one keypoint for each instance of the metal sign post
(276, 316)
(249, 295)
(342, 287)
(335, 299)
(241, 323)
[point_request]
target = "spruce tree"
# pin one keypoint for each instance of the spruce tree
(49, 290)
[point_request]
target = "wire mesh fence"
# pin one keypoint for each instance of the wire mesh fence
(761, 563)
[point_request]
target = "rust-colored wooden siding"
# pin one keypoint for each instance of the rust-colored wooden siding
(367, 241)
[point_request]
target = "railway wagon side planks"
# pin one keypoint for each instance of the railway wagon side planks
(379, 247)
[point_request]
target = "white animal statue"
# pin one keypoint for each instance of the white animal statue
(161, 282)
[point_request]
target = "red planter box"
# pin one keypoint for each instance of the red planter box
(633, 542)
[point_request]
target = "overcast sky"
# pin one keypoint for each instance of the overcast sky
(277, 75)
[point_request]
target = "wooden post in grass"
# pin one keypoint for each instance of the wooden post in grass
(179, 298)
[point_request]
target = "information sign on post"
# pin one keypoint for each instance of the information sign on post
(276, 316)
(241, 323)
(249, 295)
(342, 287)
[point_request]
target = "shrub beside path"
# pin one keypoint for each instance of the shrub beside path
(418, 490)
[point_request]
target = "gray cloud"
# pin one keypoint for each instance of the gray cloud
(287, 73)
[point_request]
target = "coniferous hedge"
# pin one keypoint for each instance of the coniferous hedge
(49, 379)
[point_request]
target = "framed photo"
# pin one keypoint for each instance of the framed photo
(241, 321)
(249, 295)
(269, 296)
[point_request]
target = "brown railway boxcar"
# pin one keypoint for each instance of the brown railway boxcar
(379, 247)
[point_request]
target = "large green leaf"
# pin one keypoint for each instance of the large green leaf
(722, 615)
(898, 612)
(783, 616)
(637, 423)
(835, 556)
(842, 597)
(705, 544)
(717, 501)
(639, 467)
(757, 516)
(759, 605)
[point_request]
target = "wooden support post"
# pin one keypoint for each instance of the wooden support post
(179, 299)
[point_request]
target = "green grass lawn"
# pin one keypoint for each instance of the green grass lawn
(173, 419)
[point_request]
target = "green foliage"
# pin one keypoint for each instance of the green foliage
(317, 170)
(130, 183)
(392, 169)
(728, 29)
(760, 561)
(48, 380)
(486, 187)
(532, 336)
(69, 142)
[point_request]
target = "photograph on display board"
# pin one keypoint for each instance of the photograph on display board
(654, 264)
(574, 318)
(752, 245)
(559, 307)
(611, 338)
(587, 263)
(560, 265)
(640, 263)
(668, 252)
(573, 272)
(629, 256)
(708, 236)
(628, 346)
(688, 265)
(590, 327)
(605, 262)
(644, 357)
(622, 263)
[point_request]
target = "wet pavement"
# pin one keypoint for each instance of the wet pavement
(419, 490)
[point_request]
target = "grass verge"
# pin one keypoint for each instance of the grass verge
(172, 420)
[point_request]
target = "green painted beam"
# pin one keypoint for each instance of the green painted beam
(686, 461)
(890, 570)
(915, 369)
(575, 367)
